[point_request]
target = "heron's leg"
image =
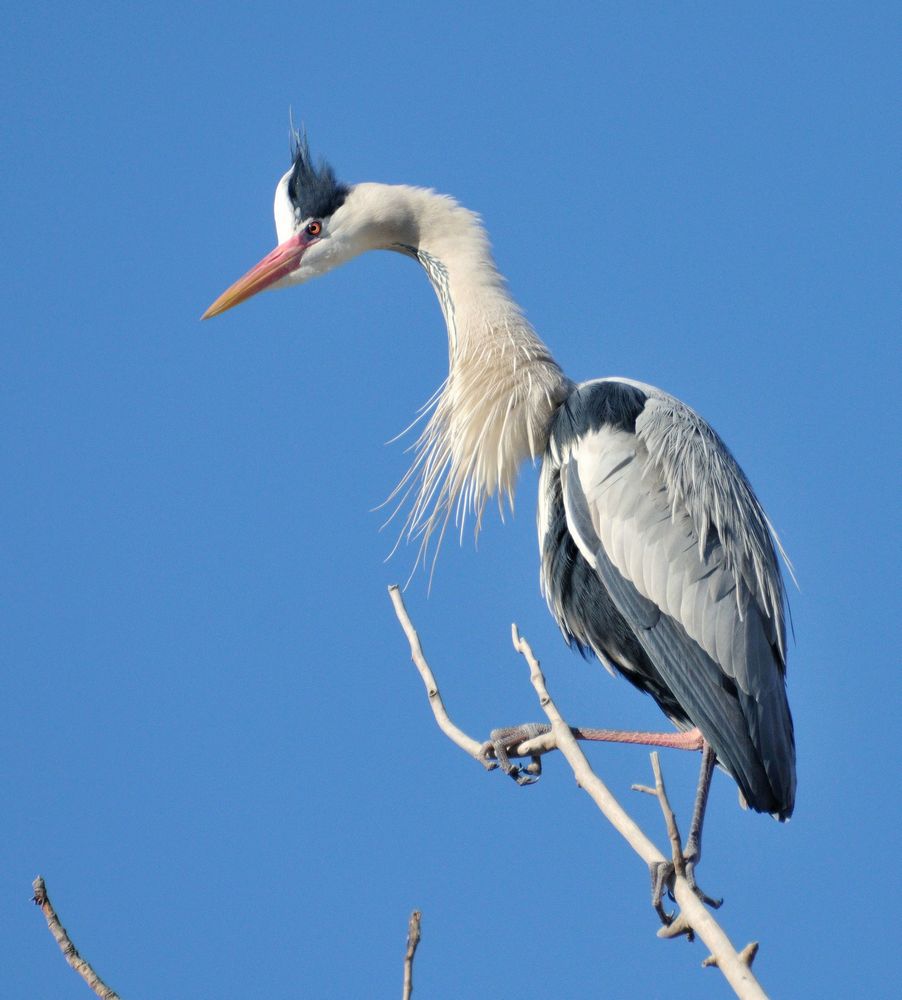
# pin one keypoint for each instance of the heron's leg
(692, 739)
(693, 849)
(662, 872)
(502, 744)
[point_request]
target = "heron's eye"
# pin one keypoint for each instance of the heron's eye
(314, 228)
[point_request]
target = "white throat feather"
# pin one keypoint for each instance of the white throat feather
(493, 410)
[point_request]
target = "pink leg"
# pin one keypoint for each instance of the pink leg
(503, 742)
(690, 740)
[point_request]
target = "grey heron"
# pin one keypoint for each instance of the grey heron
(656, 555)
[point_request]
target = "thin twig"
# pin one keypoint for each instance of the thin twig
(457, 736)
(68, 949)
(673, 831)
(662, 874)
(413, 939)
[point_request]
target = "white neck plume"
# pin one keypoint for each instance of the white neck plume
(493, 410)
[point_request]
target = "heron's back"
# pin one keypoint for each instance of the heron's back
(626, 577)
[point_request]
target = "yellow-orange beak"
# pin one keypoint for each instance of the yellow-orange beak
(275, 265)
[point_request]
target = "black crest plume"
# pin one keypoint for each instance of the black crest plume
(313, 189)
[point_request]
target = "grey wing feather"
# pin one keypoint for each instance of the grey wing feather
(673, 530)
(701, 476)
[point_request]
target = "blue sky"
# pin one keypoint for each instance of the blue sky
(213, 745)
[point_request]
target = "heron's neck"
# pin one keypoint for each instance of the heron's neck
(495, 407)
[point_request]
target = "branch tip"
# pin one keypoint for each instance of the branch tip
(40, 891)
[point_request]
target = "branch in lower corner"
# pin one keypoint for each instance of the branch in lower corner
(70, 952)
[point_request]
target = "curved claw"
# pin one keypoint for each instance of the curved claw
(715, 904)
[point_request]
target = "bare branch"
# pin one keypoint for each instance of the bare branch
(68, 949)
(458, 736)
(662, 873)
(413, 939)
(673, 831)
(694, 917)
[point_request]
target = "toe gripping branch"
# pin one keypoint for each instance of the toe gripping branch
(505, 743)
(682, 862)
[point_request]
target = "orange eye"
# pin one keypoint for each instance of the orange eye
(314, 228)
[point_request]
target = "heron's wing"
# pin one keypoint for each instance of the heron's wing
(702, 478)
(665, 518)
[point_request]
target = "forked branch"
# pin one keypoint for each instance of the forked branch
(693, 916)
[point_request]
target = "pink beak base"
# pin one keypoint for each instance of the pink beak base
(275, 265)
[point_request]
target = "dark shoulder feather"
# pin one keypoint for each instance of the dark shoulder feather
(602, 403)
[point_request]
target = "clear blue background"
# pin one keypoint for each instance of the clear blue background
(212, 743)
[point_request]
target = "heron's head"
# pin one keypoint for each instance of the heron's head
(316, 225)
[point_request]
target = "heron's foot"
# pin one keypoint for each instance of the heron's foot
(662, 877)
(691, 859)
(503, 744)
(692, 852)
